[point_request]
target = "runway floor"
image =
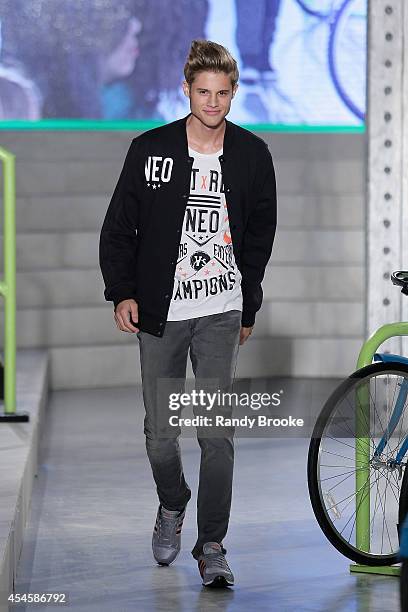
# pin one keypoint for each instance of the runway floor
(94, 504)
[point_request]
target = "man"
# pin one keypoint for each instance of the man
(255, 34)
(183, 250)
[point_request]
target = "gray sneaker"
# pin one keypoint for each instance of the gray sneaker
(166, 538)
(213, 566)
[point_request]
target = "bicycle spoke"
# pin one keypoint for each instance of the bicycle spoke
(351, 473)
(369, 412)
(356, 511)
(337, 455)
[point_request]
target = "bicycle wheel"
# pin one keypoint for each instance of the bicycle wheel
(372, 393)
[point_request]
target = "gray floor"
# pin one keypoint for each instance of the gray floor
(94, 505)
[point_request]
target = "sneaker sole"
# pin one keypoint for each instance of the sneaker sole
(218, 582)
(164, 563)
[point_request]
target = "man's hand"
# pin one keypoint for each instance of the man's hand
(245, 333)
(124, 310)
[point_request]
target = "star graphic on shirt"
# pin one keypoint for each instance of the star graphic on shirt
(206, 272)
(154, 187)
(148, 184)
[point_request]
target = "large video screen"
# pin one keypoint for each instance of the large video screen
(120, 62)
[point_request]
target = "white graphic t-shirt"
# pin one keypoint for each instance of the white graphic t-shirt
(207, 279)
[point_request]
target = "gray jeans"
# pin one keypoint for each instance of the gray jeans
(213, 341)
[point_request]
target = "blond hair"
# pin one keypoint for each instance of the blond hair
(209, 56)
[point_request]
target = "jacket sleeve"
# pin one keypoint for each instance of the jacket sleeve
(118, 238)
(258, 238)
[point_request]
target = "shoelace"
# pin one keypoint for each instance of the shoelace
(220, 560)
(166, 527)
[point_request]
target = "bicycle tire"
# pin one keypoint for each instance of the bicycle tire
(316, 497)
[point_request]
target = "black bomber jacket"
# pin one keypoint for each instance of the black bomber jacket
(140, 235)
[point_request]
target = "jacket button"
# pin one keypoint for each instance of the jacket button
(160, 324)
(221, 158)
(167, 295)
(185, 195)
(228, 190)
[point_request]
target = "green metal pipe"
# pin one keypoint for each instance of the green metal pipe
(8, 286)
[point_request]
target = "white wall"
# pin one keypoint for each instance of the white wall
(311, 322)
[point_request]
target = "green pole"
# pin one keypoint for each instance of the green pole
(362, 452)
(8, 286)
(362, 458)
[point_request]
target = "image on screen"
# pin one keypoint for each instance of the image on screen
(301, 62)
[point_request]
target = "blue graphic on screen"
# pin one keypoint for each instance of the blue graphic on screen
(301, 62)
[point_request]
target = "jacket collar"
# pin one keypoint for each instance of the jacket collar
(181, 126)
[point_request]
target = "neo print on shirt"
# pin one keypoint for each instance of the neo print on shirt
(158, 170)
(205, 208)
(206, 264)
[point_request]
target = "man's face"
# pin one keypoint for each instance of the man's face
(210, 97)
